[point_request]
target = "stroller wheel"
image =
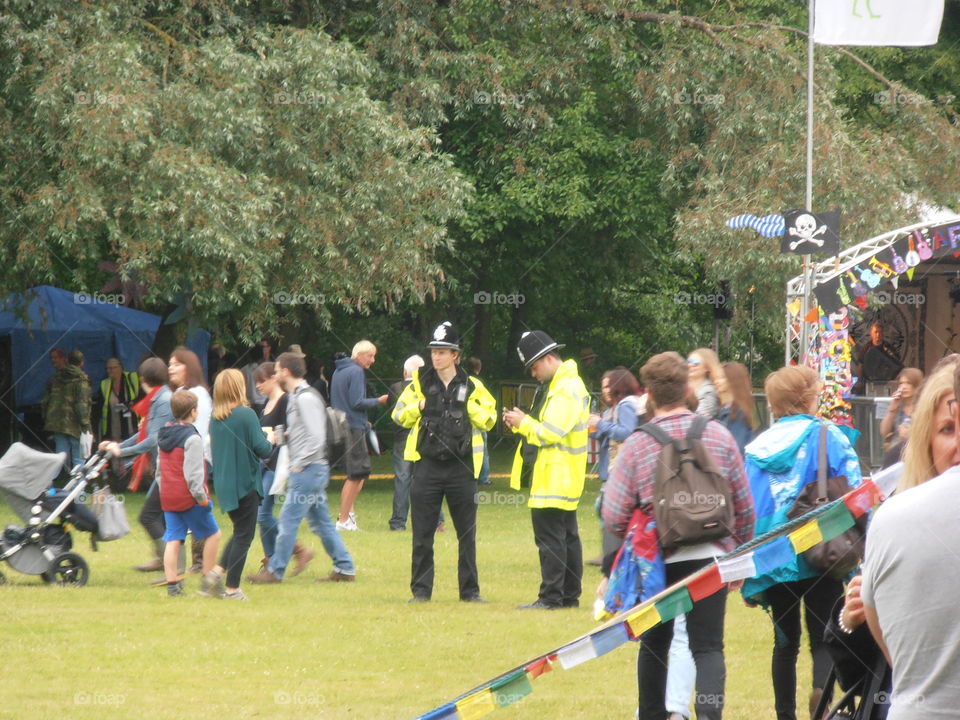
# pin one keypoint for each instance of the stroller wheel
(68, 569)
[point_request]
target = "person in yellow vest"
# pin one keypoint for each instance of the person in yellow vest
(119, 390)
(446, 411)
(551, 461)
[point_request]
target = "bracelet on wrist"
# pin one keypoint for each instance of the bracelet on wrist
(843, 628)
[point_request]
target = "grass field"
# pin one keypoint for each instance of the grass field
(120, 649)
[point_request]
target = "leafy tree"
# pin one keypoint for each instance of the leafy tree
(245, 165)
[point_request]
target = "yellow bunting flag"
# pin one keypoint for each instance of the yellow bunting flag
(643, 620)
(805, 537)
(477, 705)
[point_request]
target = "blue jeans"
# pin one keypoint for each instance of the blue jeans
(682, 670)
(70, 445)
(402, 478)
(307, 496)
(402, 474)
(484, 478)
(265, 519)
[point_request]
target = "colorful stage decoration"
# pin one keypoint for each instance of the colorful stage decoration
(801, 232)
(769, 226)
(900, 258)
(808, 232)
(761, 555)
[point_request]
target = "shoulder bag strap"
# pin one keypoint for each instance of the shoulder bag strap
(822, 464)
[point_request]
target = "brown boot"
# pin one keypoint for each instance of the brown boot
(156, 564)
(303, 556)
(196, 552)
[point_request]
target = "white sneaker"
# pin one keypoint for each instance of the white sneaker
(352, 517)
(348, 524)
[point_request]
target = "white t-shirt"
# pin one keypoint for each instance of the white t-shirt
(202, 423)
(911, 576)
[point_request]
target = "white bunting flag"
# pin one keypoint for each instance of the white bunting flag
(877, 22)
(578, 652)
(737, 568)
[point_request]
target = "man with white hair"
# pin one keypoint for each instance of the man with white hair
(348, 392)
(402, 469)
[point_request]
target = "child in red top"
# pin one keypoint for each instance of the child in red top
(184, 496)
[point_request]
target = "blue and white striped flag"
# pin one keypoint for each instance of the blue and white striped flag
(768, 226)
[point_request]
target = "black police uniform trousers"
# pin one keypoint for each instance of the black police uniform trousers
(561, 555)
(432, 481)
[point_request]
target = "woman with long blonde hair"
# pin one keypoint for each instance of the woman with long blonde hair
(931, 447)
(704, 369)
(237, 443)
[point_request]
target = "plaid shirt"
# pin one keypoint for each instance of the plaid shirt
(632, 477)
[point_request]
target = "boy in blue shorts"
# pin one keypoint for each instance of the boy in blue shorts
(184, 496)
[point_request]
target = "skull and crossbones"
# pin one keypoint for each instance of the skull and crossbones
(807, 231)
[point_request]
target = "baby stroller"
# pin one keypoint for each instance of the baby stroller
(42, 546)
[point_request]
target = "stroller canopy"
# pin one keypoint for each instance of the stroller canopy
(26, 472)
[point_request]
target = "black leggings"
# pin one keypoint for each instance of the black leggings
(151, 514)
(818, 595)
(244, 519)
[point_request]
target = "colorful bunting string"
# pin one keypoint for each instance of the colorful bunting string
(762, 554)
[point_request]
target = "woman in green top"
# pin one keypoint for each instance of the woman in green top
(237, 443)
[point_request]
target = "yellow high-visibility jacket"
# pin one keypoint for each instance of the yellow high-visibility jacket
(561, 435)
(481, 409)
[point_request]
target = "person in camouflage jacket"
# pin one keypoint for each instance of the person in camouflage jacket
(66, 407)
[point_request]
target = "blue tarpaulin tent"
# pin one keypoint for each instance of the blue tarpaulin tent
(43, 318)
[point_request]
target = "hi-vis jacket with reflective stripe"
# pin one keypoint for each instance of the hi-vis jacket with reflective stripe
(561, 435)
(481, 409)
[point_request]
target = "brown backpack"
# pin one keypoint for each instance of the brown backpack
(692, 499)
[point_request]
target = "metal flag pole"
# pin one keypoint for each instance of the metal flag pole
(807, 269)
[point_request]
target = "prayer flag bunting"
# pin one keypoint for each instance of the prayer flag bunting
(540, 666)
(511, 689)
(737, 568)
(774, 554)
(447, 712)
(609, 639)
(835, 521)
(476, 705)
(862, 499)
(805, 537)
(579, 652)
(642, 620)
(706, 584)
(676, 603)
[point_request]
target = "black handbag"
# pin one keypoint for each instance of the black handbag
(841, 555)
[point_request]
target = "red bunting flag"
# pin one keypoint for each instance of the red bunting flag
(706, 584)
(863, 498)
(539, 667)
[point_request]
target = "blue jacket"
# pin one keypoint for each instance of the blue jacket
(159, 415)
(348, 392)
(738, 427)
(618, 431)
(779, 463)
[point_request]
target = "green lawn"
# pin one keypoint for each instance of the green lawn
(120, 649)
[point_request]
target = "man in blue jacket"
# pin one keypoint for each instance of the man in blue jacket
(348, 392)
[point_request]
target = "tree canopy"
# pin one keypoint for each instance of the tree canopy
(445, 160)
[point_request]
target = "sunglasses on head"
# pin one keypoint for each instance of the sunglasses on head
(693, 361)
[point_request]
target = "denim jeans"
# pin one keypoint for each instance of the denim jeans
(484, 478)
(265, 519)
(402, 478)
(70, 445)
(682, 670)
(307, 497)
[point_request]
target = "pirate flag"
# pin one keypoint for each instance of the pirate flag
(808, 232)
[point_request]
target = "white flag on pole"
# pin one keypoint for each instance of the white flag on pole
(877, 22)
